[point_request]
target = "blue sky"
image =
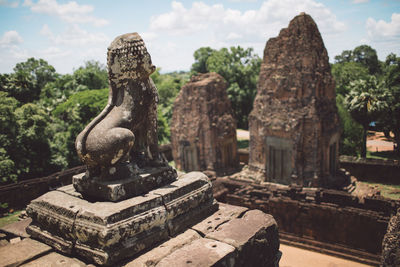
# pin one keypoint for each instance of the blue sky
(68, 33)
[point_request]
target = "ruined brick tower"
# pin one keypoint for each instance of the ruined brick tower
(294, 124)
(203, 130)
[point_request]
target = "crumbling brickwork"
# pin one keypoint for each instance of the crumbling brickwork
(294, 125)
(203, 129)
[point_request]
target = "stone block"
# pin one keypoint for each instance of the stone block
(201, 252)
(255, 237)
(182, 211)
(152, 257)
(123, 183)
(54, 259)
(23, 251)
(224, 214)
(106, 232)
(17, 228)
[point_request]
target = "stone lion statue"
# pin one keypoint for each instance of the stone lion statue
(126, 130)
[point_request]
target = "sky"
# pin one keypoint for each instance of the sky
(68, 33)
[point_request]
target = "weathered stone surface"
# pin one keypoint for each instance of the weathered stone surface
(152, 257)
(316, 216)
(255, 237)
(224, 214)
(184, 211)
(391, 242)
(203, 129)
(17, 228)
(105, 232)
(201, 252)
(23, 251)
(54, 260)
(123, 137)
(294, 124)
(125, 184)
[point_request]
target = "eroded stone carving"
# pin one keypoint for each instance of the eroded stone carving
(122, 140)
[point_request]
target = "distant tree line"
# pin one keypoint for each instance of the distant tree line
(42, 111)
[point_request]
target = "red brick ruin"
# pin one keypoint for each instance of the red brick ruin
(203, 129)
(294, 124)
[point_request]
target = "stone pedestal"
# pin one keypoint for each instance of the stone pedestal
(123, 182)
(106, 232)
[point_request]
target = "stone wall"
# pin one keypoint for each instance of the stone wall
(372, 170)
(294, 125)
(18, 195)
(320, 215)
(203, 129)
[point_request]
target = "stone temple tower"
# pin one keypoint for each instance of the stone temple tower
(294, 124)
(203, 129)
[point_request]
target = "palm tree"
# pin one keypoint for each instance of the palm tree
(366, 100)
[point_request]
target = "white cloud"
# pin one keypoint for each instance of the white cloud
(75, 36)
(7, 3)
(216, 26)
(70, 12)
(11, 38)
(360, 1)
(382, 30)
(251, 25)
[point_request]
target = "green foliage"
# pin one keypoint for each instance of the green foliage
(93, 75)
(163, 132)
(346, 72)
(71, 118)
(200, 59)
(33, 149)
(168, 86)
(367, 56)
(240, 68)
(28, 79)
(8, 132)
(363, 54)
(366, 102)
(391, 118)
(351, 138)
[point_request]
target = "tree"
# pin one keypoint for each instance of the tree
(28, 79)
(391, 119)
(351, 138)
(39, 69)
(71, 118)
(33, 149)
(8, 132)
(346, 56)
(367, 56)
(365, 101)
(346, 72)
(201, 56)
(364, 55)
(93, 75)
(240, 68)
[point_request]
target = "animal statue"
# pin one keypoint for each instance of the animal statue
(126, 129)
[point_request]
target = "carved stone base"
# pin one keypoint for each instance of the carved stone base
(106, 232)
(124, 182)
